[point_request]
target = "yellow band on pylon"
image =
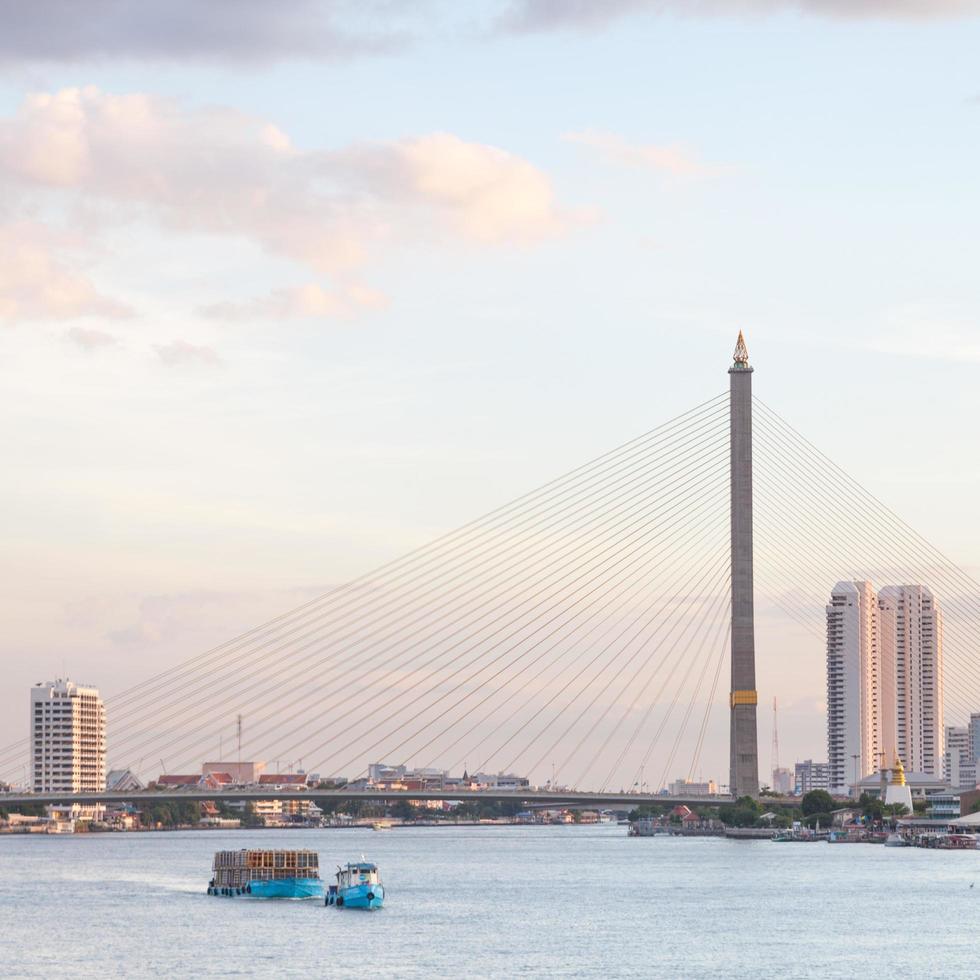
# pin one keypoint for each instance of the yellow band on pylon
(745, 697)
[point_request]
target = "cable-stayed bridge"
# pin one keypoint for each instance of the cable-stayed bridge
(577, 634)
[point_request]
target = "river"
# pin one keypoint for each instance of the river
(573, 901)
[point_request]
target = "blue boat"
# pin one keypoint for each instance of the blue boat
(266, 874)
(358, 887)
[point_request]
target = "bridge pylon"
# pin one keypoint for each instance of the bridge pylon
(744, 745)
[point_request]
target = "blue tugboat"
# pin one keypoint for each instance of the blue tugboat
(358, 887)
(266, 874)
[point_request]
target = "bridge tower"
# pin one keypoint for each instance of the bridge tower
(744, 746)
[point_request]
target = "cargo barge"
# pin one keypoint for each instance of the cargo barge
(266, 874)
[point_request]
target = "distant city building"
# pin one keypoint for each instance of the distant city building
(810, 775)
(122, 781)
(860, 687)
(498, 780)
(959, 762)
(911, 636)
(683, 787)
(782, 781)
(68, 738)
(974, 729)
(242, 773)
(379, 772)
(401, 778)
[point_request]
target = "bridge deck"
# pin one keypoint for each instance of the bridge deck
(570, 798)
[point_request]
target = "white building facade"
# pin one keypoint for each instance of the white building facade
(884, 682)
(68, 738)
(959, 765)
(911, 634)
(858, 702)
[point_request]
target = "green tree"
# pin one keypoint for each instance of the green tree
(817, 801)
(403, 810)
(871, 807)
(744, 812)
(250, 818)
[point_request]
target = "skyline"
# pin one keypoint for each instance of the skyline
(192, 457)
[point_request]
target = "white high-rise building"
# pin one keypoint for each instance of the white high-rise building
(911, 634)
(860, 687)
(68, 742)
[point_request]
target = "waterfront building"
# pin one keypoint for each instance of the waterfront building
(683, 787)
(911, 637)
(499, 781)
(122, 781)
(68, 738)
(860, 686)
(920, 784)
(810, 775)
(380, 772)
(943, 806)
(241, 773)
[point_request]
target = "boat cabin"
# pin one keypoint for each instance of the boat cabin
(357, 873)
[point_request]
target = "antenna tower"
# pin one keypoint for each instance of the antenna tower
(775, 742)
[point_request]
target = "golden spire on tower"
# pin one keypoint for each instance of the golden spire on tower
(898, 772)
(741, 352)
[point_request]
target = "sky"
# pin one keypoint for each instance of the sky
(288, 290)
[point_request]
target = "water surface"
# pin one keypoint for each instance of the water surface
(493, 902)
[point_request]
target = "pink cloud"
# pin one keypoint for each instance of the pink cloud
(39, 279)
(670, 158)
(310, 300)
(181, 353)
(89, 339)
(222, 172)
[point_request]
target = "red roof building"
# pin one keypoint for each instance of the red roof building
(283, 780)
(171, 779)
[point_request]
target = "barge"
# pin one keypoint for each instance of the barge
(266, 874)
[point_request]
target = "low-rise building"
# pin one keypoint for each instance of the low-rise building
(684, 787)
(241, 773)
(920, 785)
(498, 781)
(944, 805)
(810, 775)
(122, 781)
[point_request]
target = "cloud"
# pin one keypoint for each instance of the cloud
(222, 172)
(670, 158)
(182, 30)
(542, 15)
(485, 193)
(308, 301)
(89, 339)
(181, 353)
(38, 280)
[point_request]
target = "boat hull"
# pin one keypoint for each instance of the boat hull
(358, 896)
(280, 888)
